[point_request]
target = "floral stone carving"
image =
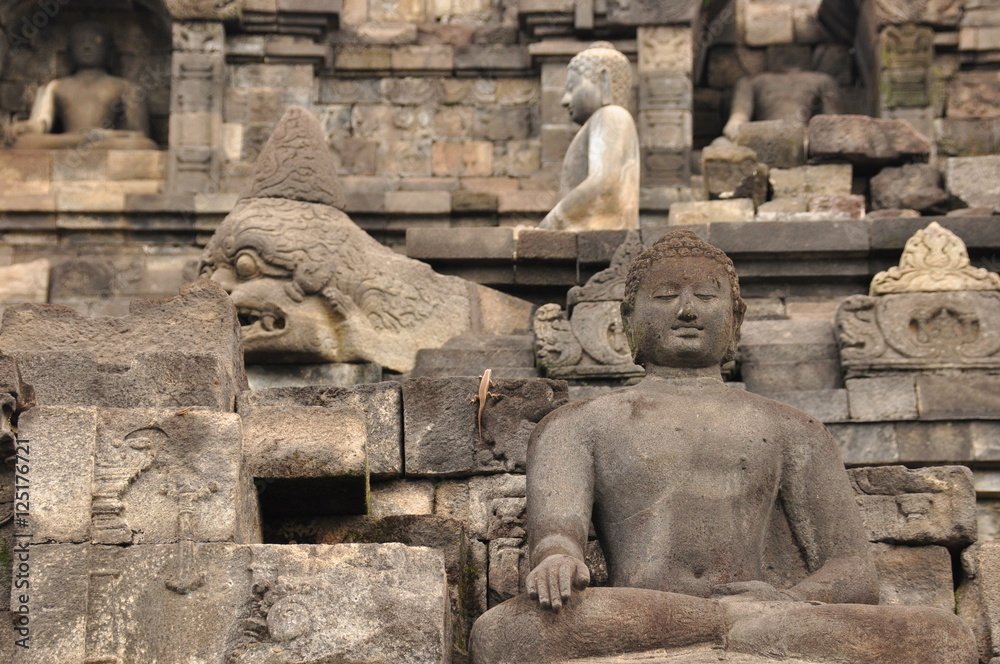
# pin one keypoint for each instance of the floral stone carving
(311, 286)
(591, 342)
(934, 311)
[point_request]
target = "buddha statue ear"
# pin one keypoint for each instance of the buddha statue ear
(605, 84)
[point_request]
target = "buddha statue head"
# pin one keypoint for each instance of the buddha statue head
(91, 45)
(682, 304)
(597, 76)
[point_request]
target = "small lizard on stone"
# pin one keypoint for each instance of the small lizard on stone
(484, 392)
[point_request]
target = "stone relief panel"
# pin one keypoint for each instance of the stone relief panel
(934, 311)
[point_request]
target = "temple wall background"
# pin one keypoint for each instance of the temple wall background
(444, 117)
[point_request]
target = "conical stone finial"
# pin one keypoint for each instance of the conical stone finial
(296, 163)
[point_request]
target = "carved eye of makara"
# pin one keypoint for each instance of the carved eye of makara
(246, 266)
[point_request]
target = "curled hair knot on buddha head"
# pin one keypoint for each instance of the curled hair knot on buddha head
(683, 244)
(600, 57)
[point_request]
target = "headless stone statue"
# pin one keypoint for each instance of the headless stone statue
(793, 96)
(600, 175)
(92, 108)
(681, 476)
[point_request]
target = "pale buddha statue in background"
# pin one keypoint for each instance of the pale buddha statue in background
(90, 108)
(681, 476)
(599, 187)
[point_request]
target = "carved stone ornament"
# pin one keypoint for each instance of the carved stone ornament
(590, 343)
(934, 260)
(310, 286)
(935, 311)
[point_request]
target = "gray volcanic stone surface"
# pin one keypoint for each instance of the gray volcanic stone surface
(134, 476)
(911, 186)
(441, 423)
(914, 507)
(865, 140)
(362, 603)
(178, 352)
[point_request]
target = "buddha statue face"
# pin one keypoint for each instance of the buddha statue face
(682, 306)
(90, 45)
(683, 315)
(583, 96)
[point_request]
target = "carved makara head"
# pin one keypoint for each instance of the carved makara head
(309, 285)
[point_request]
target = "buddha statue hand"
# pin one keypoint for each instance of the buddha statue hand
(554, 579)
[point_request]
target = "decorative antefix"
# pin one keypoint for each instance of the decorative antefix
(934, 311)
(591, 343)
(311, 286)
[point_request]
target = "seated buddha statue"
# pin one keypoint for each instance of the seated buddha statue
(91, 108)
(681, 476)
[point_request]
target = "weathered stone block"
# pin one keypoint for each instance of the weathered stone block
(508, 565)
(702, 212)
(764, 23)
(838, 206)
(728, 169)
(536, 244)
(882, 398)
(137, 476)
(665, 49)
(460, 243)
(825, 405)
(974, 94)
(916, 507)
(943, 397)
(423, 58)
(402, 497)
(325, 445)
(490, 507)
(860, 139)
(462, 158)
(25, 282)
(73, 360)
(808, 181)
(914, 576)
(967, 138)
(911, 186)
(447, 435)
(381, 404)
(364, 603)
(504, 123)
(866, 443)
(973, 179)
(329, 374)
(26, 171)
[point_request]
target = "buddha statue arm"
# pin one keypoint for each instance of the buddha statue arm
(560, 487)
(742, 107)
(43, 113)
(824, 518)
(611, 146)
(136, 113)
(831, 99)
